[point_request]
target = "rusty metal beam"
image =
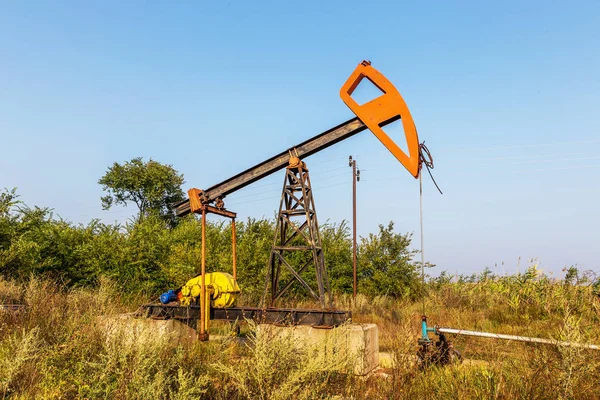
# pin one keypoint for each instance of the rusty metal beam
(274, 164)
(221, 211)
(298, 278)
(280, 316)
(291, 281)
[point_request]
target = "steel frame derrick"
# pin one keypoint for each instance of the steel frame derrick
(297, 231)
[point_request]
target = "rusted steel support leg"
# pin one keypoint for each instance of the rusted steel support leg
(202, 334)
(206, 310)
(234, 249)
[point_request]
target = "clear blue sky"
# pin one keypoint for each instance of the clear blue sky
(505, 94)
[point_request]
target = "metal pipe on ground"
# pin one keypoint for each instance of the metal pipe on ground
(517, 338)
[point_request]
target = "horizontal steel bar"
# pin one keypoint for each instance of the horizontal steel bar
(296, 212)
(283, 316)
(517, 338)
(304, 248)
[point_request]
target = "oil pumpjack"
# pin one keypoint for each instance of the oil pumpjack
(213, 295)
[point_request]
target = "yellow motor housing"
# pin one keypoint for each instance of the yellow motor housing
(221, 285)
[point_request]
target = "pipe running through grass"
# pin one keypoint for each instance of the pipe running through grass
(517, 338)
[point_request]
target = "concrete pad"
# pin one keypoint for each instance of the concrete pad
(131, 327)
(358, 342)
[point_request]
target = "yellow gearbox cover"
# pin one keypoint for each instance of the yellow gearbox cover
(222, 285)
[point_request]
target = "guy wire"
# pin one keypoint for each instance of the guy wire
(422, 249)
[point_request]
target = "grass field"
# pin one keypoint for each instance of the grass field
(55, 349)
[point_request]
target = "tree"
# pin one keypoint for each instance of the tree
(387, 266)
(8, 199)
(337, 247)
(151, 186)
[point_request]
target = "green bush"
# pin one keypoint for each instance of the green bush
(150, 255)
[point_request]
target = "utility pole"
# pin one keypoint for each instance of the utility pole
(355, 178)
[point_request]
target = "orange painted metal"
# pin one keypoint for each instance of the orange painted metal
(196, 206)
(202, 334)
(195, 202)
(385, 109)
(234, 249)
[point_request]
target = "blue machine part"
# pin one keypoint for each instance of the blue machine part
(425, 331)
(168, 297)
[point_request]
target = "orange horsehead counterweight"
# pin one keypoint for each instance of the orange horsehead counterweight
(385, 109)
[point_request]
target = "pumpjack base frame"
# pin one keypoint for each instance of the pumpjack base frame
(277, 316)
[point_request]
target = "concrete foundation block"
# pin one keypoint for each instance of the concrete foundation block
(130, 328)
(358, 342)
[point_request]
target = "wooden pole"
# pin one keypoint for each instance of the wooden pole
(354, 225)
(352, 163)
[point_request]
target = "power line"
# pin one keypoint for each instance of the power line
(533, 156)
(515, 170)
(278, 189)
(331, 186)
(237, 203)
(557, 169)
(540, 159)
(555, 160)
(529, 145)
(324, 172)
(550, 144)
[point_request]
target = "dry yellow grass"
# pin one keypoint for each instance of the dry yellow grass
(55, 350)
